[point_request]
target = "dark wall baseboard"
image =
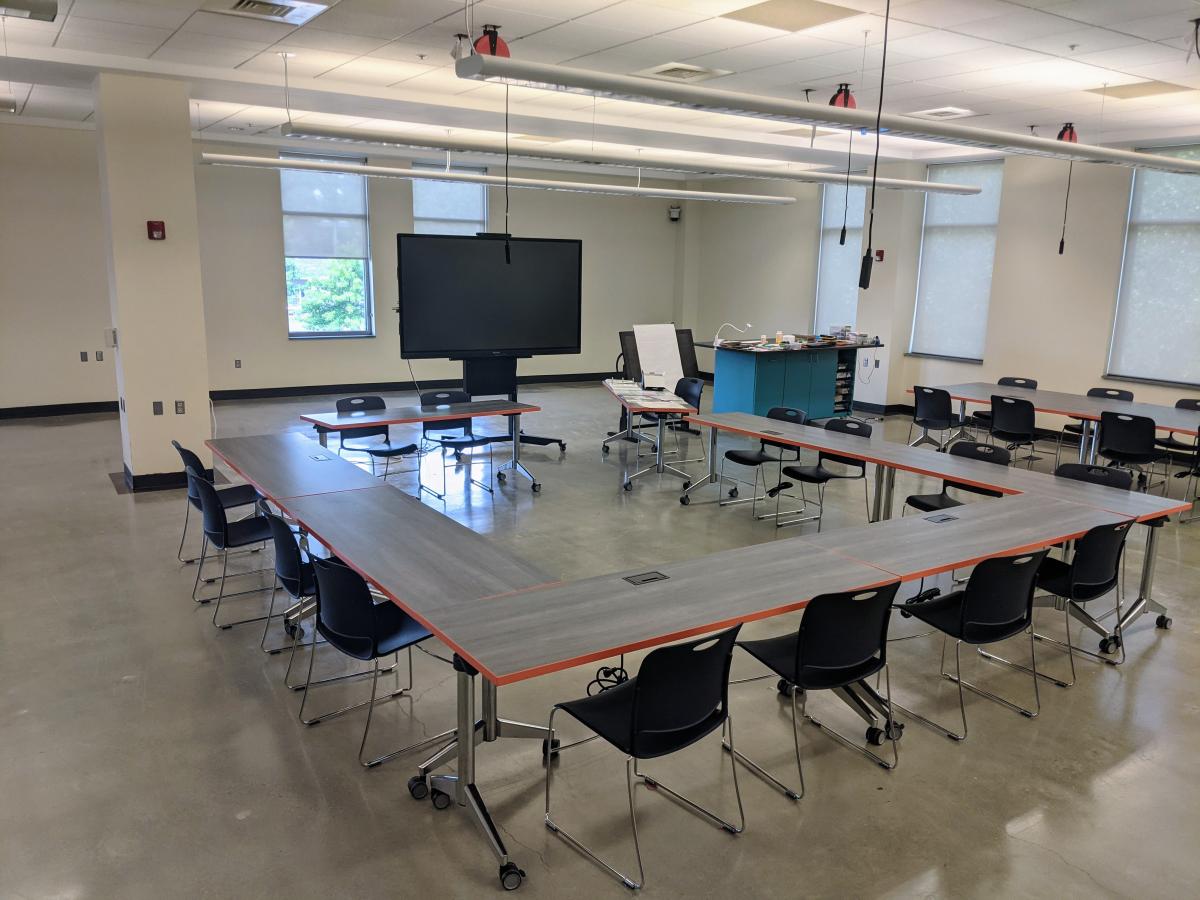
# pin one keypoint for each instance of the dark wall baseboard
(389, 386)
(157, 481)
(58, 409)
(879, 409)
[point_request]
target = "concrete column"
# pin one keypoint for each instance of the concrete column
(147, 174)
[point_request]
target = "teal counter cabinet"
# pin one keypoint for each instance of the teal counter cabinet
(819, 381)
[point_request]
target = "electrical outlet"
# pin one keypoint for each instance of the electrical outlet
(877, 364)
(179, 407)
(237, 363)
(157, 406)
(99, 356)
(83, 356)
(866, 363)
(122, 399)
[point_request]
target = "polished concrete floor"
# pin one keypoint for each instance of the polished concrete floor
(145, 754)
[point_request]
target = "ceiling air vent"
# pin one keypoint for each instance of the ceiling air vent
(945, 112)
(288, 12)
(686, 72)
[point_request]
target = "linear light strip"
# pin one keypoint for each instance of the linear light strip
(424, 140)
(620, 190)
(648, 90)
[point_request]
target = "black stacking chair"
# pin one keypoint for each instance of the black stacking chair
(680, 695)
(1105, 476)
(377, 450)
(689, 390)
(983, 418)
(453, 434)
(1014, 422)
(231, 497)
(1075, 429)
(1189, 449)
(943, 500)
(294, 573)
(222, 535)
(996, 604)
(932, 412)
(1128, 442)
(841, 641)
(757, 458)
(821, 475)
(350, 620)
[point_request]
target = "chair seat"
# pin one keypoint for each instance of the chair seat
(1054, 577)
(363, 448)
(749, 457)
(1073, 428)
(983, 415)
(397, 631)
(939, 424)
(1173, 443)
(779, 655)
(466, 441)
(610, 715)
(945, 614)
(248, 531)
(817, 474)
(1013, 437)
(931, 502)
(388, 452)
(1136, 459)
(233, 497)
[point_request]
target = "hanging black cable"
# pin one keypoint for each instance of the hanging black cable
(864, 273)
(1062, 240)
(507, 245)
(846, 192)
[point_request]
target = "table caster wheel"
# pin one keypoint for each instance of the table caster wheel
(501, 477)
(548, 747)
(875, 736)
(562, 446)
(784, 687)
(628, 485)
(293, 630)
(1163, 621)
(604, 448)
(510, 876)
(536, 487)
(733, 492)
(441, 800)
(654, 448)
(685, 500)
(418, 787)
(1109, 645)
(686, 485)
(896, 731)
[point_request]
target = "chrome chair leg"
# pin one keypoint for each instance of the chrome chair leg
(695, 807)
(187, 512)
(374, 673)
(890, 730)
(1074, 609)
(1058, 682)
(962, 707)
(442, 738)
(762, 773)
(1037, 698)
(199, 569)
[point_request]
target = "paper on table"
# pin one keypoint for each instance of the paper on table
(658, 351)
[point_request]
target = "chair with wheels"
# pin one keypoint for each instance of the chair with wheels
(1014, 423)
(351, 622)
(680, 695)
(849, 469)
(943, 500)
(384, 449)
(982, 419)
(1075, 428)
(841, 641)
(453, 434)
(756, 459)
(234, 497)
(933, 412)
(996, 604)
(222, 536)
(1128, 442)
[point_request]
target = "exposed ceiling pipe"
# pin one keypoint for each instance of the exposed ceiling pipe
(610, 157)
(620, 190)
(648, 90)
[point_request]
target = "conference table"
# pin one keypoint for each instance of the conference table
(637, 401)
(325, 422)
(1077, 406)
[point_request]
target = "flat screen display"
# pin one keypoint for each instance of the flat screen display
(460, 298)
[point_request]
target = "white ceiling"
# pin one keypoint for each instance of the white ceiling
(1013, 62)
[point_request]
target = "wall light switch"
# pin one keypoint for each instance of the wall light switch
(179, 408)
(99, 356)
(157, 406)
(83, 356)
(237, 363)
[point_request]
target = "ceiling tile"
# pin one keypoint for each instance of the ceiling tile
(387, 18)
(366, 70)
(1161, 28)
(114, 31)
(131, 12)
(333, 41)
(787, 48)
(307, 65)
(208, 58)
(720, 34)
(646, 17)
(514, 23)
(34, 34)
(950, 13)
(200, 43)
(575, 39)
(104, 45)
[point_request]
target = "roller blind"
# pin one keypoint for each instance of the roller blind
(837, 270)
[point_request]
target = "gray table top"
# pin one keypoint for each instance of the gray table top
(1078, 406)
(407, 415)
(532, 633)
(289, 465)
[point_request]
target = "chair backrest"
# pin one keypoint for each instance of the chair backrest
(846, 426)
(932, 405)
(1015, 381)
(984, 453)
(345, 607)
(999, 597)
(1110, 393)
(289, 563)
(785, 414)
(1106, 476)
(1013, 415)
(844, 630)
(632, 368)
(1097, 560)
(680, 686)
(1191, 403)
(1126, 433)
(362, 405)
(690, 390)
(443, 398)
(190, 461)
(216, 525)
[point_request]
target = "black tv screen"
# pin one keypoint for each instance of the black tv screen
(459, 298)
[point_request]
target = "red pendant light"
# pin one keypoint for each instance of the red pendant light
(1067, 133)
(843, 98)
(490, 43)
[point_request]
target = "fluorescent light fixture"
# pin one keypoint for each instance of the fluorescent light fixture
(620, 190)
(8, 103)
(688, 96)
(525, 147)
(941, 113)
(38, 10)
(790, 15)
(1138, 90)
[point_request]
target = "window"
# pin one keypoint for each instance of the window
(327, 258)
(958, 244)
(449, 207)
(1157, 325)
(838, 266)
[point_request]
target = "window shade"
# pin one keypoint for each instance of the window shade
(837, 270)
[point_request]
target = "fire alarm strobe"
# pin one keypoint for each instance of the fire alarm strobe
(156, 231)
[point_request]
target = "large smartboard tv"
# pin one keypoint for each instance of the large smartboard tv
(461, 298)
